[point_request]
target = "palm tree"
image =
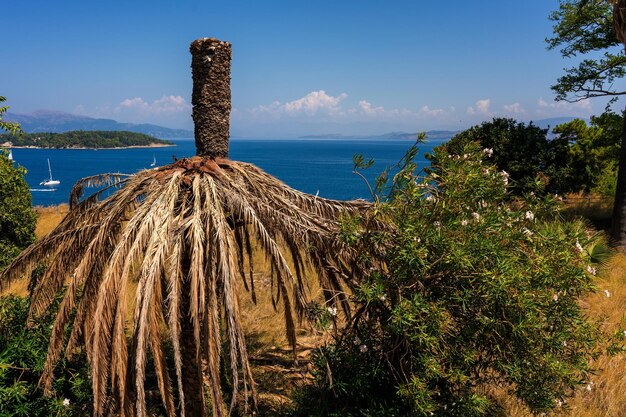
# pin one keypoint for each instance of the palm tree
(185, 233)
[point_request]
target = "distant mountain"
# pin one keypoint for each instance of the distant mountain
(57, 121)
(431, 134)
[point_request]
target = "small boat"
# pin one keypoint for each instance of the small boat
(11, 155)
(153, 164)
(50, 182)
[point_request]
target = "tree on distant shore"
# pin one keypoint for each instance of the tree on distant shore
(583, 27)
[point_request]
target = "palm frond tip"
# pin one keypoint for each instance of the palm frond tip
(183, 232)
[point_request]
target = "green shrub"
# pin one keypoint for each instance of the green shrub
(474, 289)
(22, 356)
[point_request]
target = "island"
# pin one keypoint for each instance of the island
(83, 139)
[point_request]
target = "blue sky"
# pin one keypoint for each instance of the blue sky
(352, 67)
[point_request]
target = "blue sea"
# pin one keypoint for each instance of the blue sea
(315, 166)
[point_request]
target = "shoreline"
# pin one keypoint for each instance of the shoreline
(82, 148)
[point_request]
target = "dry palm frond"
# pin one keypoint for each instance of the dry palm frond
(184, 233)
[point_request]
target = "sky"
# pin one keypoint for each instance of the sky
(299, 67)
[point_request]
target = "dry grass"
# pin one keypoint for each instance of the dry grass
(596, 208)
(48, 218)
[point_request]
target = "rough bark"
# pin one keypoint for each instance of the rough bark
(191, 367)
(210, 67)
(618, 223)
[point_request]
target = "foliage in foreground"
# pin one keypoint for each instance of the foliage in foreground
(474, 290)
(22, 356)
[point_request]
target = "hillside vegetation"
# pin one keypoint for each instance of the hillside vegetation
(82, 139)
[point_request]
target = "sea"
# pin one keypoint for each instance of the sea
(314, 166)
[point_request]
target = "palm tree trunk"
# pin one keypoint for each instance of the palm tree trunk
(191, 367)
(210, 68)
(618, 224)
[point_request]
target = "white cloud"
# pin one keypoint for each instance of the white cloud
(481, 107)
(434, 112)
(310, 105)
(315, 101)
(515, 108)
(366, 108)
(166, 104)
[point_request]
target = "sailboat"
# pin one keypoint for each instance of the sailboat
(50, 182)
(153, 164)
(10, 155)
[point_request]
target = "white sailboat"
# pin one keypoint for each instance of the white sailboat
(153, 164)
(10, 155)
(50, 182)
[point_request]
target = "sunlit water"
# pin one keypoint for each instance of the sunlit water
(315, 166)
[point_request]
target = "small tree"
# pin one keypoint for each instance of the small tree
(17, 219)
(583, 27)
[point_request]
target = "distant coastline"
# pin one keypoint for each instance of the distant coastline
(85, 148)
(81, 139)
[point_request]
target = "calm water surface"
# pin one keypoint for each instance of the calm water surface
(321, 166)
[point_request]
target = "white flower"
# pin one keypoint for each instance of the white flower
(607, 293)
(559, 403)
(579, 247)
(430, 197)
(555, 297)
(437, 223)
(589, 386)
(383, 297)
(505, 177)
(66, 402)
(332, 311)
(592, 271)
(529, 216)
(527, 232)
(476, 216)
(482, 204)
(463, 222)
(363, 348)
(564, 343)
(488, 152)
(466, 155)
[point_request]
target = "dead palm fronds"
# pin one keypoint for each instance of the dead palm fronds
(185, 233)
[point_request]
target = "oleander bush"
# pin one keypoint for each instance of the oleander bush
(467, 288)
